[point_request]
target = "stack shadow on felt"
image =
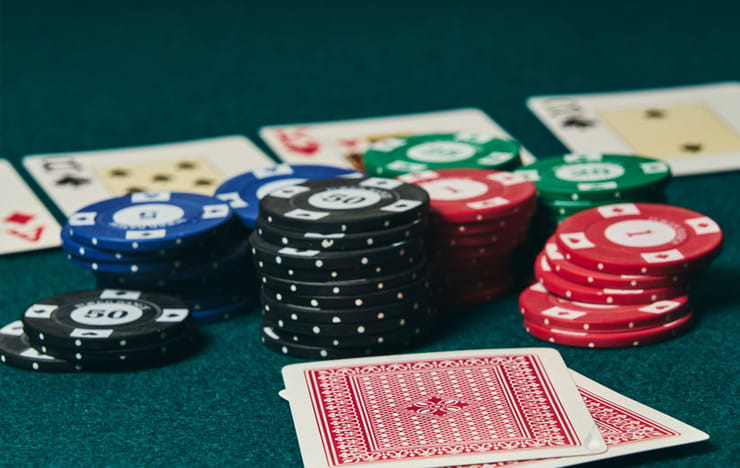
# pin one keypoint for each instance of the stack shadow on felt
(342, 267)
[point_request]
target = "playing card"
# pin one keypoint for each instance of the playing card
(696, 129)
(25, 224)
(626, 425)
(74, 180)
(343, 142)
(438, 409)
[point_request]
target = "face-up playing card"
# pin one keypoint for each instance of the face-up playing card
(25, 224)
(696, 129)
(74, 180)
(342, 143)
(439, 409)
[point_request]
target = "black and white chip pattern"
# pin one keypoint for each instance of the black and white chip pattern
(344, 205)
(273, 310)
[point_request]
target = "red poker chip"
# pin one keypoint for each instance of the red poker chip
(540, 307)
(482, 251)
(610, 340)
(579, 292)
(464, 195)
(468, 274)
(593, 278)
(640, 239)
(460, 299)
(503, 238)
(516, 223)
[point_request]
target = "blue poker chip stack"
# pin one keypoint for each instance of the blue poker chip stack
(181, 244)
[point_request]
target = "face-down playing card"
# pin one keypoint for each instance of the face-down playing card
(439, 409)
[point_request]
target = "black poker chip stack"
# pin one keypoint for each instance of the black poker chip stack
(342, 268)
(100, 330)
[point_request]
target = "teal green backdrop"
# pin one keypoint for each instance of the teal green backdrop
(84, 75)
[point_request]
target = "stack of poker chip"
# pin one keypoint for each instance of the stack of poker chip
(342, 267)
(173, 243)
(477, 218)
(393, 157)
(575, 182)
(99, 330)
(618, 275)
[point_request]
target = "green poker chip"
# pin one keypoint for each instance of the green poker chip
(397, 156)
(597, 177)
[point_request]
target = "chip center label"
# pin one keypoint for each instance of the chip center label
(148, 215)
(441, 151)
(104, 315)
(589, 172)
(344, 198)
(454, 189)
(640, 233)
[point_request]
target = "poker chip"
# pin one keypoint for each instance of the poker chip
(342, 265)
(289, 257)
(243, 192)
(641, 239)
(579, 292)
(594, 177)
(393, 157)
(617, 275)
(348, 287)
(465, 195)
(226, 312)
(16, 351)
(344, 205)
(105, 319)
(419, 308)
(477, 219)
(542, 308)
(339, 240)
(582, 339)
(389, 296)
(578, 274)
(146, 221)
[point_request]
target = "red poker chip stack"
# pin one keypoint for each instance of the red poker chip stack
(618, 275)
(477, 218)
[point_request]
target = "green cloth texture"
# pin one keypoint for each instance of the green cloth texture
(82, 75)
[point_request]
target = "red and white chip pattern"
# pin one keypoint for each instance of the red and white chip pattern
(617, 275)
(639, 239)
(477, 218)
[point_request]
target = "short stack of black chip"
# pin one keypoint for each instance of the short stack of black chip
(342, 267)
(101, 330)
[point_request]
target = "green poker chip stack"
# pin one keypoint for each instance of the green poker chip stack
(393, 157)
(572, 183)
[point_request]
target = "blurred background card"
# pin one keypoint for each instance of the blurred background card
(696, 129)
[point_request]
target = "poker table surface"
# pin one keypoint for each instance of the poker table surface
(89, 75)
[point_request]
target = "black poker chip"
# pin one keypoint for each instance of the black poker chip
(265, 253)
(324, 275)
(344, 205)
(274, 310)
(417, 290)
(348, 287)
(16, 351)
(288, 348)
(404, 336)
(168, 350)
(106, 319)
(339, 240)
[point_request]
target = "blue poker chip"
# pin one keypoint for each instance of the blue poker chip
(244, 191)
(147, 221)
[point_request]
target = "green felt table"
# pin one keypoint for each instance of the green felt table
(88, 75)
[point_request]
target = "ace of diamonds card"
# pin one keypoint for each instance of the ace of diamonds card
(696, 129)
(25, 224)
